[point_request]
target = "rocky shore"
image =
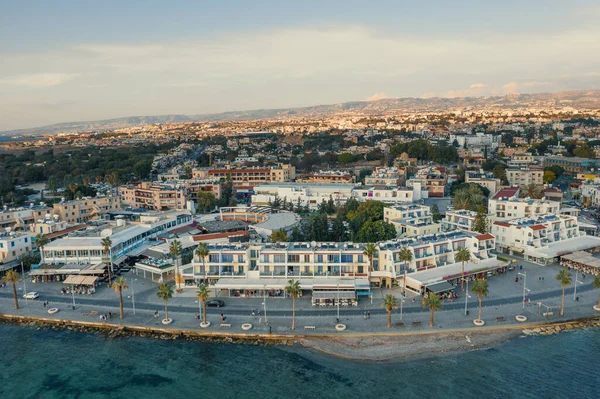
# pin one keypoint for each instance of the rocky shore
(558, 327)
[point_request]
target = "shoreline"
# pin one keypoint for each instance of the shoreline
(385, 346)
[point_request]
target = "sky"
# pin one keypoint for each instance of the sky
(63, 61)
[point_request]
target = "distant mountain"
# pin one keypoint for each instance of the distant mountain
(584, 99)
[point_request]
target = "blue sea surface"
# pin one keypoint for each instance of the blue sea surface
(50, 363)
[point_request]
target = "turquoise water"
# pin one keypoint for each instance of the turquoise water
(67, 364)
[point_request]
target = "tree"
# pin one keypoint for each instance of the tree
(405, 255)
(435, 213)
(279, 236)
(202, 252)
(41, 241)
(564, 277)
(549, 176)
(369, 251)
(203, 294)
(165, 292)
(12, 277)
(480, 224)
(296, 235)
(389, 303)
(339, 229)
(318, 227)
(107, 245)
(596, 284)
(206, 201)
(119, 285)
(294, 291)
(462, 255)
(376, 231)
(584, 151)
(175, 249)
(557, 170)
(532, 190)
(434, 303)
(480, 287)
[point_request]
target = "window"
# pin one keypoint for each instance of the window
(227, 258)
(278, 258)
(361, 258)
(213, 258)
(26, 239)
(240, 258)
(319, 258)
(294, 258)
(347, 258)
(306, 258)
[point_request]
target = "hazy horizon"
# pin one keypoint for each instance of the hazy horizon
(75, 61)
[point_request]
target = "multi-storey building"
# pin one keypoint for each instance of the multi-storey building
(461, 219)
(248, 177)
(524, 177)
(20, 217)
(384, 176)
(506, 205)
(154, 196)
(245, 267)
(327, 176)
(411, 220)
(520, 160)
(13, 245)
(85, 209)
(305, 193)
(573, 165)
(542, 239)
(390, 195)
(484, 179)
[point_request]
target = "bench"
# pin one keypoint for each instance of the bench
(309, 327)
(547, 314)
(501, 318)
(416, 323)
(400, 324)
(225, 325)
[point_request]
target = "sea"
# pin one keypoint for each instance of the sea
(47, 363)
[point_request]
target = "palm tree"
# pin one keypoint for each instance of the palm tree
(369, 251)
(119, 285)
(405, 255)
(175, 250)
(202, 294)
(532, 190)
(279, 236)
(107, 245)
(462, 255)
(434, 303)
(41, 241)
(564, 277)
(294, 291)
(389, 303)
(12, 277)
(480, 287)
(596, 284)
(202, 252)
(165, 292)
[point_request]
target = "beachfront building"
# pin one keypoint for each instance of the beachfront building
(305, 193)
(524, 177)
(85, 209)
(13, 245)
(460, 219)
(506, 205)
(542, 239)
(411, 220)
(16, 218)
(242, 268)
(83, 250)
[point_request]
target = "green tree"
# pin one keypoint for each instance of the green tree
(142, 168)
(405, 255)
(369, 251)
(294, 291)
(549, 176)
(41, 240)
(202, 252)
(107, 245)
(565, 279)
(165, 292)
(462, 255)
(12, 277)
(206, 201)
(434, 303)
(435, 213)
(532, 190)
(389, 303)
(376, 231)
(557, 170)
(318, 227)
(480, 287)
(119, 285)
(175, 249)
(480, 224)
(203, 294)
(584, 151)
(339, 229)
(279, 236)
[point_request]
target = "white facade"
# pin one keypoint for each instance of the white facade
(390, 195)
(313, 194)
(411, 220)
(14, 245)
(513, 208)
(461, 219)
(524, 177)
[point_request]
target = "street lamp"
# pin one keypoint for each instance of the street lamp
(467, 296)
(524, 274)
(575, 284)
(24, 283)
(401, 302)
(265, 303)
(133, 294)
(73, 294)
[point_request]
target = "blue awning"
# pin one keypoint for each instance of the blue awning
(363, 293)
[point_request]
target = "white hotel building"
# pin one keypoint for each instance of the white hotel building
(506, 205)
(238, 268)
(411, 220)
(542, 239)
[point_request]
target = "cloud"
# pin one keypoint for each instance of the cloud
(38, 80)
(477, 86)
(514, 87)
(377, 96)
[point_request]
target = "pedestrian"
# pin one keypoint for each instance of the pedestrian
(222, 317)
(365, 315)
(269, 329)
(368, 314)
(197, 316)
(44, 304)
(517, 280)
(156, 314)
(254, 314)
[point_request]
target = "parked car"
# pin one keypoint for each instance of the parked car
(31, 295)
(215, 303)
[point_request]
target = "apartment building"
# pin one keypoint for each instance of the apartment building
(524, 177)
(411, 220)
(542, 239)
(248, 177)
(154, 196)
(506, 205)
(390, 195)
(307, 193)
(384, 176)
(245, 267)
(461, 219)
(19, 217)
(520, 160)
(573, 165)
(13, 245)
(484, 179)
(85, 209)
(327, 176)
(434, 185)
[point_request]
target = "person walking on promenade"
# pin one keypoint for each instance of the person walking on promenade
(368, 314)
(365, 315)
